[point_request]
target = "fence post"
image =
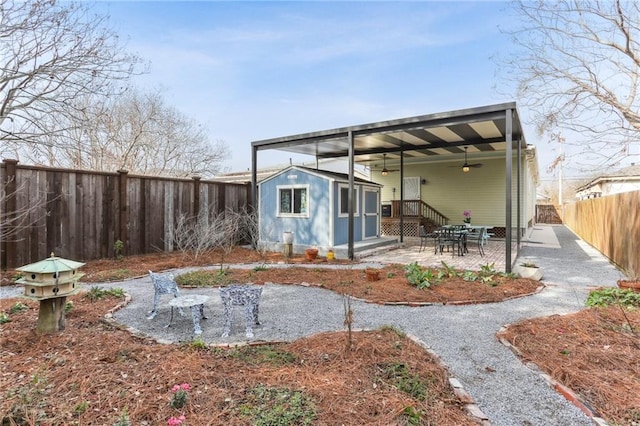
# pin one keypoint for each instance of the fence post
(9, 245)
(196, 197)
(222, 196)
(123, 234)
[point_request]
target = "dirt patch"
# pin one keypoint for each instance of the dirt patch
(93, 373)
(593, 352)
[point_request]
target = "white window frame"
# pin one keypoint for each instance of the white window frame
(357, 196)
(292, 188)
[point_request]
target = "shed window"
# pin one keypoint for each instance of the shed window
(344, 201)
(293, 201)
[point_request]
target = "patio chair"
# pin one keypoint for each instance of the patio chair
(479, 236)
(241, 295)
(424, 237)
(450, 238)
(163, 284)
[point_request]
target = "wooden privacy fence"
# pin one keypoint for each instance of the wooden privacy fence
(81, 214)
(547, 213)
(612, 225)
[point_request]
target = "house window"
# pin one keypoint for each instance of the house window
(293, 201)
(344, 201)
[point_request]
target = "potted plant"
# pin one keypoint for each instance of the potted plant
(467, 217)
(632, 282)
(529, 270)
(311, 253)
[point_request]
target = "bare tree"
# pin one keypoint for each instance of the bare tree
(577, 67)
(140, 133)
(52, 54)
(210, 231)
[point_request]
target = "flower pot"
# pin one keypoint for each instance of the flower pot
(529, 272)
(287, 237)
(311, 253)
(372, 274)
(630, 285)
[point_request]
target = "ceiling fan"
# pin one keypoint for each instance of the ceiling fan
(466, 166)
(385, 171)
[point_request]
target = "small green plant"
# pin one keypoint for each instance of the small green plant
(275, 406)
(529, 265)
(123, 418)
(390, 275)
(198, 344)
(117, 249)
(613, 296)
(260, 268)
(68, 307)
(393, 329)
(203, 278)
(4, 318)
(97, 293)
(470, 275)
(80, 408)
(18, 307)
(487, 274)
(180, 395)
(404, 380)
(412, 416)
(419, 277)
(448, 271)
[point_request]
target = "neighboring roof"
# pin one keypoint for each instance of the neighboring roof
(263, 173)
(482, 129)
(628, 173)
(340, 177)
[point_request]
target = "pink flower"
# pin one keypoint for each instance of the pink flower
(175, 388)
(185, 386)
(176, 421)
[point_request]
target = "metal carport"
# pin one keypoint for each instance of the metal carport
(488, 129)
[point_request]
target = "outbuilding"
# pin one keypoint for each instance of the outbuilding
(314, 206)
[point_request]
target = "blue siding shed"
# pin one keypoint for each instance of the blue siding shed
(312, 204)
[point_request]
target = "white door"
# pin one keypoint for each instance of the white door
(411, 192)
(412, 188)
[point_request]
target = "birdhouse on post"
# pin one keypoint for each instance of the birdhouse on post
(50, 281)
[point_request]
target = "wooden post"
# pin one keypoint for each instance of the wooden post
(9, 247)
(196, 197)
(51, 317)
(123, 234)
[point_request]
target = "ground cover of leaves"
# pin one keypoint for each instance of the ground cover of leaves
(91, 372)
(594, 352)
(95, 373)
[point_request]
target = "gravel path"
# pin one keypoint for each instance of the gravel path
(463, 336)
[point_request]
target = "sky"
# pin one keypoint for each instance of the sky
(257, 70)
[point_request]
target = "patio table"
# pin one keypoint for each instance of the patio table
(196, 303)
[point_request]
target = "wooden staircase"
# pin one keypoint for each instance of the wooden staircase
(414, 213)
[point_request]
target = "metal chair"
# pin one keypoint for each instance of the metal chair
(163, 284)
(479, 236)
(424, 237)
(449, 237)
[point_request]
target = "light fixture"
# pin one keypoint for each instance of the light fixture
(384, 165)
(465, 166)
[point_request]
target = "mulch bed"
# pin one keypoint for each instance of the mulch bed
(593, 352)
(92, 373)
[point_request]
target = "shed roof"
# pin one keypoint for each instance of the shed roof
(341, 177)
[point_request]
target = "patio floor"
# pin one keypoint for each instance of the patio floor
(494, 252)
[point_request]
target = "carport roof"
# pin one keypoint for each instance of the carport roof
(482, 129)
